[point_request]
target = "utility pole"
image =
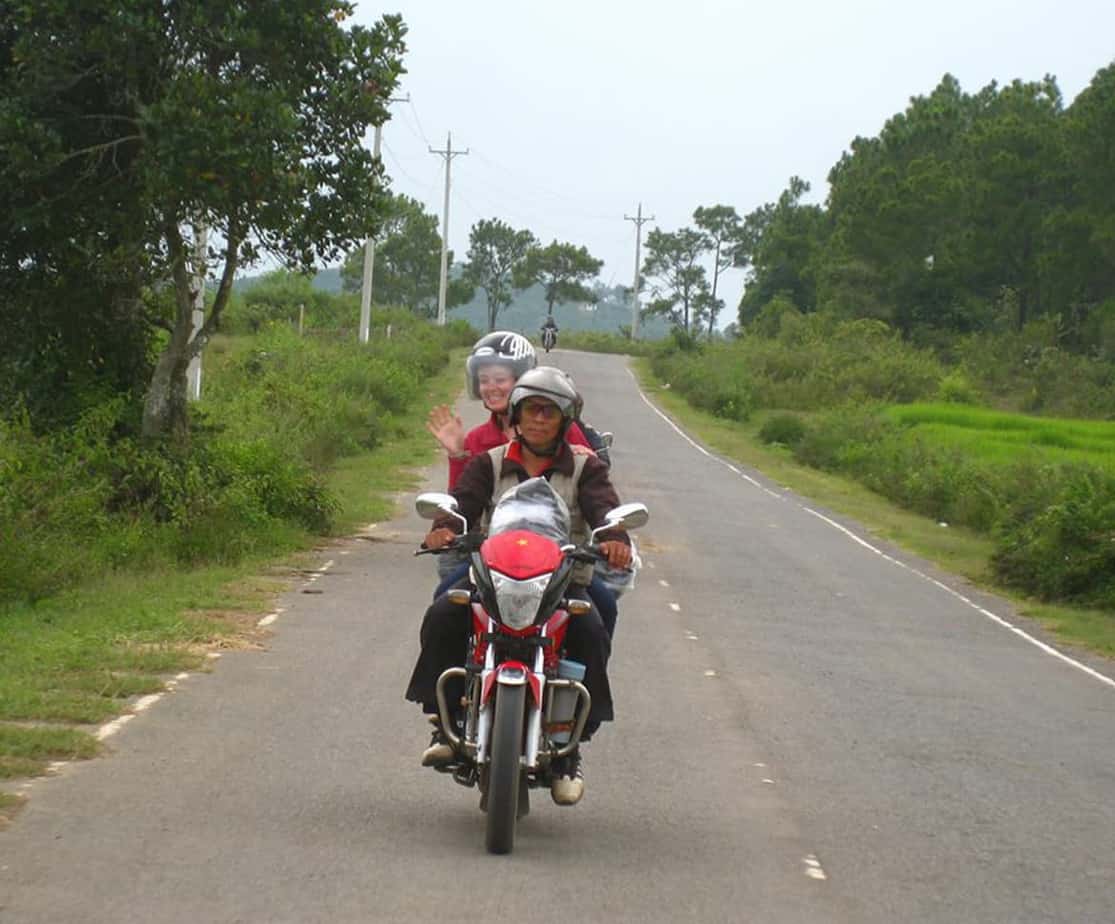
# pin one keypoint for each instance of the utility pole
(193, 372)
(639, 222)
(370, 245)
(448, 154)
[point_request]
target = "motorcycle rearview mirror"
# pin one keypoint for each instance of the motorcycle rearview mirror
(607, 438)
(625, 516)
(433, 504)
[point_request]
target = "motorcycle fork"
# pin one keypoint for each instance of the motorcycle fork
(533, 726)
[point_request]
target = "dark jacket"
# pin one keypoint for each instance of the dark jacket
(595, 494)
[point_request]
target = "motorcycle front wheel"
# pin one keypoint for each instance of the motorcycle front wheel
(504, 771)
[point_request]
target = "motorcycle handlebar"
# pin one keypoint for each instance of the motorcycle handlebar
(589, 554)
(468, 543)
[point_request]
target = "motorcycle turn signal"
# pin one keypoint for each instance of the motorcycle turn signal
(578, 607)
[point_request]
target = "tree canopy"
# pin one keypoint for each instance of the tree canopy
(678, 281)
(407, 262)
(125, 124)
(496, 253)
(562, 270)
(967, 212)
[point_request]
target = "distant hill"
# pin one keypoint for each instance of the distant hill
(328, 280)
(526, 312)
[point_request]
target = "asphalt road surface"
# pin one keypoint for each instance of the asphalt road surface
(807, 731)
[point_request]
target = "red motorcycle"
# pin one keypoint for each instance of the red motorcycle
(523, 707)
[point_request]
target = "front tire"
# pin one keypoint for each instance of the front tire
(504, 771)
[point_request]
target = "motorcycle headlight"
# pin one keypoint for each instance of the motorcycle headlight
(518, 601)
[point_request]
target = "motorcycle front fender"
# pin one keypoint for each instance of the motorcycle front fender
(512, 673)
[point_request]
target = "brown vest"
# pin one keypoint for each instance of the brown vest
(565, 486)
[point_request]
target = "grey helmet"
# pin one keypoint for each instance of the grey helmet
(579, 403)
(545, 382)
(553, 385)
(499, 348)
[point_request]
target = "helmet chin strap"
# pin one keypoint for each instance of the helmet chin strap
(547, 452)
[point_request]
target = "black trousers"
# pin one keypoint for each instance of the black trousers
(444, 639)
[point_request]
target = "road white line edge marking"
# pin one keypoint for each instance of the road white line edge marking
(1021, 633)
(111, 728)
(146, 702)
(813, 867)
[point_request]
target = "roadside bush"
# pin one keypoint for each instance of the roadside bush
(709, 378)
(787, 429)
(278, 410)
(938, 482)
(807, 361)
(1029, 370)
(1062, 548)
(595, 341)
(957, 388)
(836, 440)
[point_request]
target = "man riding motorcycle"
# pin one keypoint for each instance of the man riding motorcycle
(542, 406)
(549, 333)
(494, 365)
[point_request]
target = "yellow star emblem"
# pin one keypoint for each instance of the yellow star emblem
(522, 542)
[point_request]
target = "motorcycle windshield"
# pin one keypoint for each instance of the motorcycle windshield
(535, 506)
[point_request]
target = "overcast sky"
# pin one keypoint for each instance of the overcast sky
(573, 112)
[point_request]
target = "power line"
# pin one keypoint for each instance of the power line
(418, 122)
(398, 163)
(579, 207)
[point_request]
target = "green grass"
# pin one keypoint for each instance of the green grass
(78, 657)
(28, 751)
(1003, 438)
(10, 803)
(957, 550)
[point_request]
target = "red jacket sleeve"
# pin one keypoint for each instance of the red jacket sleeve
(473, 448)
(575, 436)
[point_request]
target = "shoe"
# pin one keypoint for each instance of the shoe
(440, 750)
(567, 784)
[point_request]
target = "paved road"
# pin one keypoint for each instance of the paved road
(807, 732)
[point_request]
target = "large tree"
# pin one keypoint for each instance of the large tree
(679, 283)
(496, 252)
(779, 243)
(722, 228)
(562, 270)
(1082, 264)
(127, 123)
(408, 259)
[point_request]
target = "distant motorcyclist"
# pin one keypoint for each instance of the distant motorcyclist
(549, 333)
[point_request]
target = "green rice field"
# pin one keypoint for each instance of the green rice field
(1001, 437)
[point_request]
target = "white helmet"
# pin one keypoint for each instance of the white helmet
(499, 348)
